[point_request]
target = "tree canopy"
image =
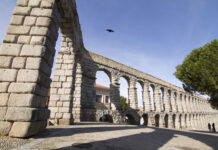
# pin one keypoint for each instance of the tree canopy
(123, 102)
(199, 71)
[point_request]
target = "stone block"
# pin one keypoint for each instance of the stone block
(34, 3)
(3, 99)
(3, 111)
(67, 85)
(25, 11)
(17, 20)
(8, 75)
(65, 121)
(32, 50)
(10, 49)
(66, 104)
(68, 91)
(28, 75)
(26, 114)
(43, 21)
(59, 104)
(55, 78)
(36, 63)
(64, 66)
(41, 31)
(41, 12)
(29, 21)
(53, 91)
(5, 128)
(58, 61)
(10, 39)
(25, 100)
(56, 84)
(5, 61)
(20, 30)
(46, 4)
(54, 97)
(59, 72)
(22, 2)
(68, 72)
(4, 86)
(26, 129)
(66, 97)
(24, 39)
(60, 91)
(69, 78)
(52, 103)
(18, 62)
(58, 115)
(53, 109)
(22, 87)
(58, 66)
(38, 40)
(67, 115)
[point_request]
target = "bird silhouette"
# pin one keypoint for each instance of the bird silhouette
(109, 30)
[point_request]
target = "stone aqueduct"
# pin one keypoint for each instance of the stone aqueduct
(26, 58)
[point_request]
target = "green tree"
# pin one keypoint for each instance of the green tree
(199, 71)
(123, 102)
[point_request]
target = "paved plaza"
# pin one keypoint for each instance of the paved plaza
(103, 136)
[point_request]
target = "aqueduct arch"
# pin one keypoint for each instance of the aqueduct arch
(26, 58)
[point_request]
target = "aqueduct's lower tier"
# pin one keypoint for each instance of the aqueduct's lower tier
(190, 121)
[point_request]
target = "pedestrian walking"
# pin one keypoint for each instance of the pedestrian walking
(213, 128)
(209, 127)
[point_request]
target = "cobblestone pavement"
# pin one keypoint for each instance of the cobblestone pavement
(99, 136)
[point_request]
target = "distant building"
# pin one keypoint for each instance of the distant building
(102, 97)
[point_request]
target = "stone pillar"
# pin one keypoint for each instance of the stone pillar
(157, 98)
(179, 103)
(26, 58)
(183, 121)
(133, 94)
(146, 98)
(178, 122)
(166, 101)
(170, 121)
(173, 101)
(185, 104)
(63, 85)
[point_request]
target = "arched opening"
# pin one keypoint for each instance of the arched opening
(145, 118)
(151, 95)
(106, 118)
(102, 86)
(181, 105)
(185, 120)
(162, 99)
(129, 119)
(166, 118)
(124, 93)
(174, 120)
(139, 96)
(157, 119)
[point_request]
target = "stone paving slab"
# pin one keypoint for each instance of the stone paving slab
(103, 136)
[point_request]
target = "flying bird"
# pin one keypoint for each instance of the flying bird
(109, 30)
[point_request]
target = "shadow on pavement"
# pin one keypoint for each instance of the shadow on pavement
(142, 141)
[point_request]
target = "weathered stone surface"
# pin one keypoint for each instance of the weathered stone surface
(4, 99)
(22, 87)
(3, 111)
(8, 75)
(64, 109)
(39, 31)
(24, 39)
(29, 21)
(41, 12)
(46, 4)
(10, 39)
(10, 49)
(21, 30)
(18, 62)
(5, 61)
(4, 86)
(34, 3)
(65, 121)
(17, 20)
(26, 100)
(38, 40)
(5, 127)
(22, 10)
(26, 129)
(43, 21)
(32, 50)
(26, 114)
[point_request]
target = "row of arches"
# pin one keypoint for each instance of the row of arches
(148, 96)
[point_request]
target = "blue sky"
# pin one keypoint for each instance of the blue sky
(153, 36)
